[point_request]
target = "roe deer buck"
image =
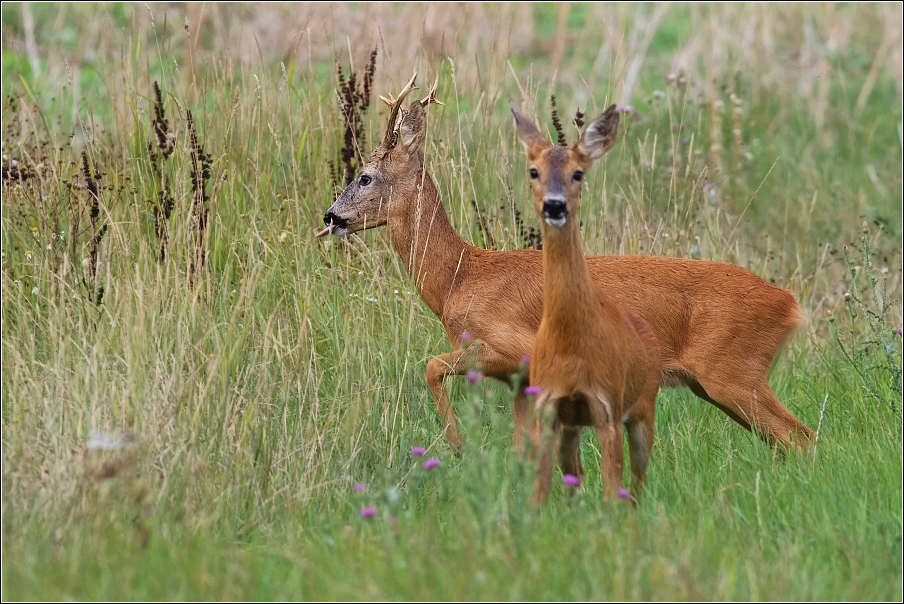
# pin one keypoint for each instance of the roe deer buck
(719, 326)
(596, 363)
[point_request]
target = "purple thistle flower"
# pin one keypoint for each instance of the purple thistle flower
(359, 487)
(532, 390)
(525, 360)
(418, 451)
(431, 463)
(899, 331)
(465, 337)
(368, 512)
(571, 480)
(474, 376)
(623, 493)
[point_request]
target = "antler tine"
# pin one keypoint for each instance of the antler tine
(395, 105)
(431, 96)
(408, 88)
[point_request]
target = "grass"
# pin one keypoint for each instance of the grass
(197, 431)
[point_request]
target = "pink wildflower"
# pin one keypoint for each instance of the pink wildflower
(571, 480)
(368, 512)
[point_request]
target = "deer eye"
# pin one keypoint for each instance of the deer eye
(578, 176)
(364, 180)
(533, 173)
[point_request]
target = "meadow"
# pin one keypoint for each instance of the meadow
(200, 400)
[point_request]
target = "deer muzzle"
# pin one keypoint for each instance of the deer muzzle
(334, 226)
(555, 212)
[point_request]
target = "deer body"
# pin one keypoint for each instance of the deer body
(718, 325)
(596, 363)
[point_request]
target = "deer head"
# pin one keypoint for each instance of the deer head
(556, 172)
(392, 170)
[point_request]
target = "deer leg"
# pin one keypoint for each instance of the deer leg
(450, 363)
(641, 425)
(752, 404)
(544, 436)
(522, 417)
(612, 450)
(458, 362)
(503, 367)
(697, 389)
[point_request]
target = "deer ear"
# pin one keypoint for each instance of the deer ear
(533, 140)
(413, 128)
(600, 135)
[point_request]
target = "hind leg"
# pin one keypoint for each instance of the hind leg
(753, 405)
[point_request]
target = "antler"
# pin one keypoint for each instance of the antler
(394, 106)
(431, 96)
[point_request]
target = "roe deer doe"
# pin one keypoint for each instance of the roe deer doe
(719, 326)
(596, 363)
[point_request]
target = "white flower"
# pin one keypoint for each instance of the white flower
(108, 441)
(393, 495)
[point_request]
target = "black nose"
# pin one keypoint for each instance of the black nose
(554, 209)
(331, 219)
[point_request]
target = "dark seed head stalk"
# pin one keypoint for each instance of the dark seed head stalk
(557, 124)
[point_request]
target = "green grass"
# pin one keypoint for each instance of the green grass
(261, 388)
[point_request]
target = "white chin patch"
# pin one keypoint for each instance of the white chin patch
(339, 232)
(555, 222)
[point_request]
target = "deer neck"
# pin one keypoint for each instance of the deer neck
(568, 291)
(433, 253)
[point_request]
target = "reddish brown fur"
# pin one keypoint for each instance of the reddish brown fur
(719, 326)
(596, 363)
